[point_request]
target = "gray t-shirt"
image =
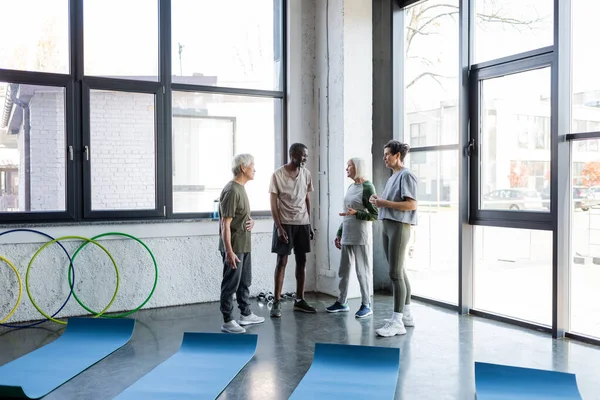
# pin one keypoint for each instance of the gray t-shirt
(401, 185)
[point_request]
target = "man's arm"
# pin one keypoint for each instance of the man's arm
(312, 233)
(230, 256)
(406, 205)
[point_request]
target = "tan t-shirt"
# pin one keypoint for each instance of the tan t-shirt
(291, 194)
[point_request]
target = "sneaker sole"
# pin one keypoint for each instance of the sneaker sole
(364, 316)
(242, 323)
(228, 331)
(305, 311)
(276, 315)
(395, 334)
(335, 311)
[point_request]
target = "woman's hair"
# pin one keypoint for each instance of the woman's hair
(360, 166)
(239, 161)
(397, 147)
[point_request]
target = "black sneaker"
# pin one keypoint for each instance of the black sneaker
(276, 310)
(303, 306)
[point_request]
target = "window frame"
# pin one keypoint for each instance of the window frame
(77, 120)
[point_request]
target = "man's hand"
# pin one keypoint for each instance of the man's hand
(338, 242)
(232, 259)
(312, 233)
(249, 224)
(351, 211)
(282, 235)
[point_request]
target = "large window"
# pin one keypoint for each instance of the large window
(585, 239)
(208, 129)
(99, 120)
(514, 133)
(430, 115)
(507, 27)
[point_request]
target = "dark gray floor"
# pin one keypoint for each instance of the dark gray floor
(436, 357)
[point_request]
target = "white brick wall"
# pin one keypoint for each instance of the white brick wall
(48, 156)
(122, 150)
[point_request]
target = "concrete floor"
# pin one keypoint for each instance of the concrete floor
(436, 357)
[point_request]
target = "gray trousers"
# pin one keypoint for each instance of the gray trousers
(396, 236)
(236, 281)
(357, 255)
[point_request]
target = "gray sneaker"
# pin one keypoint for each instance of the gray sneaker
(276, 310)
(232, 327)
(303, 306)
(251, 319)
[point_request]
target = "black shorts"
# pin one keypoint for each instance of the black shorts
(298, 239)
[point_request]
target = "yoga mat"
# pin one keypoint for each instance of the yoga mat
(502, 382)
(340, 371)
(201, 369)
(85, 342)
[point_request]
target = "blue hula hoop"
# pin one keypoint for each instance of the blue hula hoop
(71, 271)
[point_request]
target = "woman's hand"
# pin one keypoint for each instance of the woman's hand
(249, 224)
(375, 200)
(351, 211)
(338, 242)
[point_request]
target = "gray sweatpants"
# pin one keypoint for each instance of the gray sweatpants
(396, 236)
(357, 256)
(236, 281)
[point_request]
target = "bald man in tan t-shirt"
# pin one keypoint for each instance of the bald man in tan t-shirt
(290, 207)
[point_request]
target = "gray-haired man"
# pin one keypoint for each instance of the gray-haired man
(235, 246)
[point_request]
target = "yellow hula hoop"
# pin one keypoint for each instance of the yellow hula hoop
(20, 289)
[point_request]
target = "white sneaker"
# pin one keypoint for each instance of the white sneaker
(251, 319)
(407, 321)
(391, 328)
(232, 327)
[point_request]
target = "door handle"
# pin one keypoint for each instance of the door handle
(471, 147)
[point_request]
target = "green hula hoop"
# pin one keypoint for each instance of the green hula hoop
(20, 290)
(155, 274)
(96, 315)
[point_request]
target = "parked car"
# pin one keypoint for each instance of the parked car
(590, 198)
(580, 197)
(513, 199)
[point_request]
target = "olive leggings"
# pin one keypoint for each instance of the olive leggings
(396, 236)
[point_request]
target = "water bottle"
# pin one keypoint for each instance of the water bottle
(215, 213)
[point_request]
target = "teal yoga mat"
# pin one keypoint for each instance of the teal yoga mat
(85, 342)
(503, 382)
(201, 369)
(350, 372)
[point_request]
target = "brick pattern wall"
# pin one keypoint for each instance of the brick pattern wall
(122, 150)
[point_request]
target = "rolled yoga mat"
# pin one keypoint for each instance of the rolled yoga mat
(503, 382)
(85, 342)
(201, 369)
(348, 372)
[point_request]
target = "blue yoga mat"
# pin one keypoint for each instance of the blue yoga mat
(201, 369)
(85, 342)
(347, 372)
(503, 382)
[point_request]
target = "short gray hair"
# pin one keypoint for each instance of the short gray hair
(239, 161)
(360, 166)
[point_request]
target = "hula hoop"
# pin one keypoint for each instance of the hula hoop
(56, 240)
(20, 289)
(155, 274)
(71, 271)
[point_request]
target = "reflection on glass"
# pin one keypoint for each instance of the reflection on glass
(430, 74)
(513, 273)
(507, 27)
(433, 252)
(585, 238)
(122, 150)
(208, 130)
(515, 142)
(233, 43)
(32, 148)
(35, 35)
(121, 38)
(584, 69)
